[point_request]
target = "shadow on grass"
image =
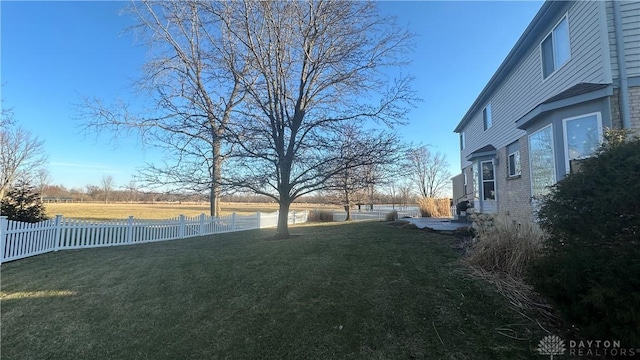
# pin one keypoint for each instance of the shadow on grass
(341, 291)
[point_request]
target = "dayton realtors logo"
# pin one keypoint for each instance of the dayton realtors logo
(553, 345)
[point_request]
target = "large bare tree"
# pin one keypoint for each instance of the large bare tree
(192, 79)
(21, 153)
(429, 172)
(316, 66)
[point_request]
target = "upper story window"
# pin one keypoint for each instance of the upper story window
(462, 140)
(487, 117)
(555, 48)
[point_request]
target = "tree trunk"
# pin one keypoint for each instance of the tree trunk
(214, 201)
(282, 231)
(284, 190)
(347, 207)
(216, 174)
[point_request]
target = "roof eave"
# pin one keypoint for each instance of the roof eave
(544, 108)
(516, 53)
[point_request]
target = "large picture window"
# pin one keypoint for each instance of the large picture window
(582, 136)
(475, 174)
(555, 48)
(542, 161)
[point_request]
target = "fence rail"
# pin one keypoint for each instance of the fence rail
(20, 240)
(377, 214)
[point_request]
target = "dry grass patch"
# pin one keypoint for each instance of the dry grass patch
(320, 216)
(438, 208)
(99, 211)
(503, 245)
(525, 301)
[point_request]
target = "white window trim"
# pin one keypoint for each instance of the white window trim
(555, 70)
(566, 142)
(553, 156)
(465, 183)
(486, 126)
(482, 181)
(462, 141)
(509, 164)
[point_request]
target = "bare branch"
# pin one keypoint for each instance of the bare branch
(21, 155)
(192, 84)
(430, 172)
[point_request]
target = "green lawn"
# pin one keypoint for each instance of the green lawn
(338, 291)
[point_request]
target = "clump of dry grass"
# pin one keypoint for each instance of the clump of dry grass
(523, 299)
(503, 245)
(431, 207)
(320, 216)
(391, 215)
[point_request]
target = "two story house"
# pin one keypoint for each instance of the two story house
(574, 71)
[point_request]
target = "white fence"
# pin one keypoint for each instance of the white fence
(19, 240)
(376, 214)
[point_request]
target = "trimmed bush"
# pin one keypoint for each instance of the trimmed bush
(591, 262)
(320, 216)
(430, 207)
(391, 216)
(503, 245)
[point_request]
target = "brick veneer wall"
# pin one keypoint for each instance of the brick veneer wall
(514, 194)
(634, 104)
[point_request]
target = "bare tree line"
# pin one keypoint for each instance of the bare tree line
(403, 195)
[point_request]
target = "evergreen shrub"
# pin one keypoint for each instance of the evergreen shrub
(590, 265)
(22, 203)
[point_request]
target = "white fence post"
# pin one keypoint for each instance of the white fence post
(258, 215)
(233, 222)
(129, 230)
(58, 232)
(201, 224)
(181, 228)
(3, 235)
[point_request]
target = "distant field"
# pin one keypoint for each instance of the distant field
(98, 211)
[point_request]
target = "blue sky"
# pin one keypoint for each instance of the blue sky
(53, 53)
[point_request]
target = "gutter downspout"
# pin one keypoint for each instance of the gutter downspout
(625, 113)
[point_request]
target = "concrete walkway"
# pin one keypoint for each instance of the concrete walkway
(438, 224)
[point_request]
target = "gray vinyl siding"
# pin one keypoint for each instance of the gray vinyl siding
(525, 87)
(631, 34)
(630, 14)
